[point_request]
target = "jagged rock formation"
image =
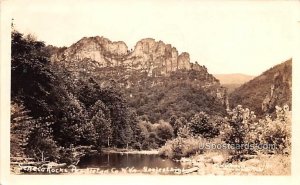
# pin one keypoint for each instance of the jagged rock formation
(155, 58)
(151, 64)
(263, 93)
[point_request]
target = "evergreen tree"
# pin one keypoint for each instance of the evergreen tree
(102, 122)
(19, 128)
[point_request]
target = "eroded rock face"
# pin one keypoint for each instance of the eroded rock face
(154, 57)
(99, 49)
(280, 89)
(183, 61)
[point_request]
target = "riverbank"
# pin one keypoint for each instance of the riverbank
(217, 164)
(203, 164)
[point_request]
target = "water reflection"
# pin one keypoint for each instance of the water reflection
(118, 161)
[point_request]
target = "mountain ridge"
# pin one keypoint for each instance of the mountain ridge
(149, 65)
(154, 57)
(263, 93)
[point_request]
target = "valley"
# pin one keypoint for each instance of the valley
(87, 101)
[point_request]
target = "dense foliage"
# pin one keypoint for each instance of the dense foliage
(238, 134)
(263, 93)
(183, 93)
(53, 111)
(174, 98)
(268, 135)
(201, 125)
(20, 128)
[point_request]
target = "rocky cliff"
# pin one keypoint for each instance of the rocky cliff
(154, 57)
(139, 72)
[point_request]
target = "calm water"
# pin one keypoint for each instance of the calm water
(118, 161)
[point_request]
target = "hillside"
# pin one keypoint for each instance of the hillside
(155, 79)
(273, 87)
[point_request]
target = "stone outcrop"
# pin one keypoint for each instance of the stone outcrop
(280, 92)
(154, 57)
(183, 61)
(99, 49)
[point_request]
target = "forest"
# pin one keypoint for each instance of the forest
(52, 112)
(56, 116)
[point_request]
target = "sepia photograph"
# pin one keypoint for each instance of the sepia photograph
(148, 88)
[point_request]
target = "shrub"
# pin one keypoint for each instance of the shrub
(239, 129)
(137, 146)
(278, 131)
(243, 128)
(67, 155)
(181, 147)
(184, 132)
(201, 125)
(164, 131)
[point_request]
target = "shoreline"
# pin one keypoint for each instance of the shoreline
(128, 151)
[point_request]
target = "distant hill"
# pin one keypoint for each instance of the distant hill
(261, 94)
(233, 81)
(235, 78)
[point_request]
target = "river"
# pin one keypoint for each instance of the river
(108, 161)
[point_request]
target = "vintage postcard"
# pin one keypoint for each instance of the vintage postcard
(96, 91)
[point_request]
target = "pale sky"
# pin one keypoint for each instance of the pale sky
(227, 37)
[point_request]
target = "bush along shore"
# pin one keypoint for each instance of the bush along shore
(245, 145)
(69, 159)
